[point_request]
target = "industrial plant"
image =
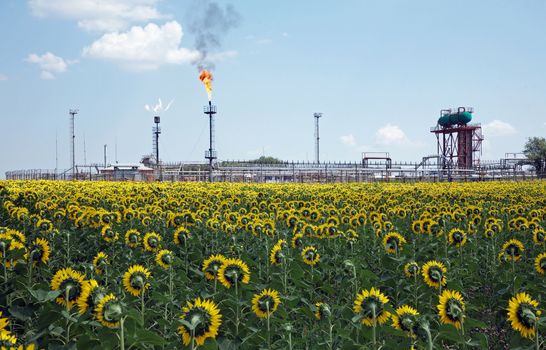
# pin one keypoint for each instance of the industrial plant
(458, 158)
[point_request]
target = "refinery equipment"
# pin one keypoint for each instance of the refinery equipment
(459, 143)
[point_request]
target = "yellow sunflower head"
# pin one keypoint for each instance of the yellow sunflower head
(513, 250)
(152, 242)
(540, 263)
(297, 240)
(321, 310)
(164, 258)
(181, 235)
(539, 236)
(100, 261)
(451, 308)
(310, 255)
(276, 256)
(39, 251)
(405, 320)
(393, 242)
(233, 271)
(70, 283)
(434, 274)
(457, 237)
(411, 269)
(265, 303)
(132, 238)
(108, 234)
(370, 304)
(109, 311)
(204, 317)
(211, 266)
(135, 279)
(523, 313)
(91, 294)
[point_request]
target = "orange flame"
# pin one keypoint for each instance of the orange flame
(206, 78)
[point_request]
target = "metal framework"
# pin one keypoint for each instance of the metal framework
(384, 156)
(156, 131)
(210, 154)
(459, 146)
(73, 113)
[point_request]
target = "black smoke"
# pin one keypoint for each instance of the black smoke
(209, 23)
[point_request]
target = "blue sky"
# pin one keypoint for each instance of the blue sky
(379, 71)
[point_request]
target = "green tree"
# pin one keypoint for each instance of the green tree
(535, 151)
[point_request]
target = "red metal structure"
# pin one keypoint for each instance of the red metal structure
(459, 143)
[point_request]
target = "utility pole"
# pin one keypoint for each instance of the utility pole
(317, 137)
(73, 113)
(157, 131)
(105, 148)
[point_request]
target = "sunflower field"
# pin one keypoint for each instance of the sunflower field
(103, 265)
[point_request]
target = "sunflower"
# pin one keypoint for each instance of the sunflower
(164, 258)
(265, 303)
(540, 263)
(523, 313)
(7, 340)
(512, 250)
(310, 255)
(405, 320)
(39, 251)
(434, 274)
(211, 266)
(297, 240)
(204, 315)
(233, 271)
(181, 234)
(457, 237)
(4, 323)
(411, 269)
(132, 238)
(109, 311)
(322, 309)
(393, 242)
(276, 256)
(370, 304)
(451, 308)
(539, 236)
(135, 279)
(108, 234)
(44, 225)
(91, 294)
(70, 283)
(152, 241)
(99, 262)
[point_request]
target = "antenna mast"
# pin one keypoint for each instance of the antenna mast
(317, 137)
(73, 113)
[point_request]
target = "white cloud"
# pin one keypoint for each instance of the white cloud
(498, 128)
(348, 140)
(142, 48)
(49, 64)
(98, 15)
(3, 77)
(390, 134)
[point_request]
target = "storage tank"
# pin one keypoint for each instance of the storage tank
(455, 119)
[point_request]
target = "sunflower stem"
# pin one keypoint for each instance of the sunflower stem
(193, 339)
(4, 264)
(237, 306)
(268, 326)
(142, 307)
(66, 298)
(121, 334)
(374, 324)
(537, 342)
(30, 265)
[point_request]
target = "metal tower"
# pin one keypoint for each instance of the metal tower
(210, 154)
(73, 113)
(156, 131)
(317, 137)
(459, 143)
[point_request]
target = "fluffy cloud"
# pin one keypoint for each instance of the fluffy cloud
(49, 64)
(98, 15)
(142, 48)
(3, 77)
(498, 128)
(348, 140)
(390, 134)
